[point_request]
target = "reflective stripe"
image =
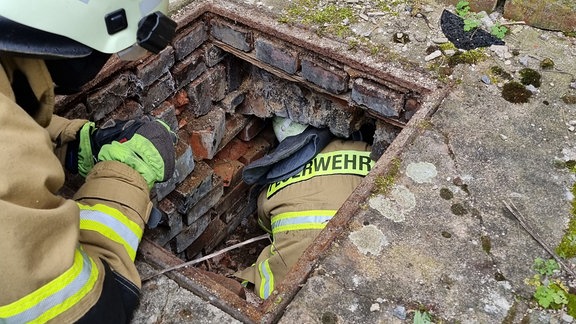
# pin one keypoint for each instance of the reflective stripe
(266, 279)
(55, 297)
(301, 220)
(344, 162)
(111, 223)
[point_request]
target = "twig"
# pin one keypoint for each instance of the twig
(512, 208)
(209, 256)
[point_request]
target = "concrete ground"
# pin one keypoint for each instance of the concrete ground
(442, 240)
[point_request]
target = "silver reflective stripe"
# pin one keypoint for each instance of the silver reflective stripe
(300, 220)
(266, 285)
(57, 297)
(109, 221)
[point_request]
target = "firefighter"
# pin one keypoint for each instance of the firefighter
(72, 260)
(309, 186)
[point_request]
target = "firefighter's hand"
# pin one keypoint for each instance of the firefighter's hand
(144, 144)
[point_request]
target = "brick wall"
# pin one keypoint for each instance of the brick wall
(215, 86)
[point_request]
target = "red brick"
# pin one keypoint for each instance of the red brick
(229, 170)
(252, 128)
(551, 15)
(233, 151)
(257, 148)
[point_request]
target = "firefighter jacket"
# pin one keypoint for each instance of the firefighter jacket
(61, 260)
(296, 209)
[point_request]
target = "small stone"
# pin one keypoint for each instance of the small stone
(440, 40)
(503, 137)
(571, 128)
(532, 89)
(523, 60)
(567, 318)
(433, 55)
(573, 85)
(375, 307)
(399, 312)
(449, 52)
(485, 79)
(572, 122)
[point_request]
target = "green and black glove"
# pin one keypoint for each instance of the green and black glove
(144, 144)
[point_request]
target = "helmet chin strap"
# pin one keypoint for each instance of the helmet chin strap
(70, 74)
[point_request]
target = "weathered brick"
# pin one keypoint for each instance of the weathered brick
(180, 100)
(213, 55)
(210, 86)
(235, 36)
(183, 167)
(325, 76)
(169, 228)
(189, 39)
(252, 128)
(77, 111)
(232, 100)
(194, 187)
(257, 148)
(188, 69)
(230, 171)
(233, 150)
(167, 113)
(127, 110)
(239, 212)
(231, 196)
(206, 133)
(155, 66)
(277, 55)
(237, 71)
(158, 92)
(112, 95)
(190, 233)
(209, 200)
(376, 97)
(235, 211)
(234, 124)
(215, 233)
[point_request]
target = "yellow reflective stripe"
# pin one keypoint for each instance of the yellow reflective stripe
(264, 227)
(301, 220)
(111, 223)
(55, 297)
(344, 162)
(266, 279)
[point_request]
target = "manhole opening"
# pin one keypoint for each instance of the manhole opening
(218, 86)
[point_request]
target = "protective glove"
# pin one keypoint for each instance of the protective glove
(144, 144)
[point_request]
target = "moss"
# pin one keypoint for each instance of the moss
(329, 19)
(500, 72)
(329, 318)
(530, 76)
(515, 92)
(569, 99)
(547, 64)
(388, 5)
(447, 46)
(383, 183)
(458, 209)
(446, 194)
(567, 246)
(469, 57)
(486, 243)
(446, 234)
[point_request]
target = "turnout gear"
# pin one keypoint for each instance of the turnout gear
(294, 210)
(63, 260)
(145, 144)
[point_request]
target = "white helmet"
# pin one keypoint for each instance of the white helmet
(285, 127)
(73, 28)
